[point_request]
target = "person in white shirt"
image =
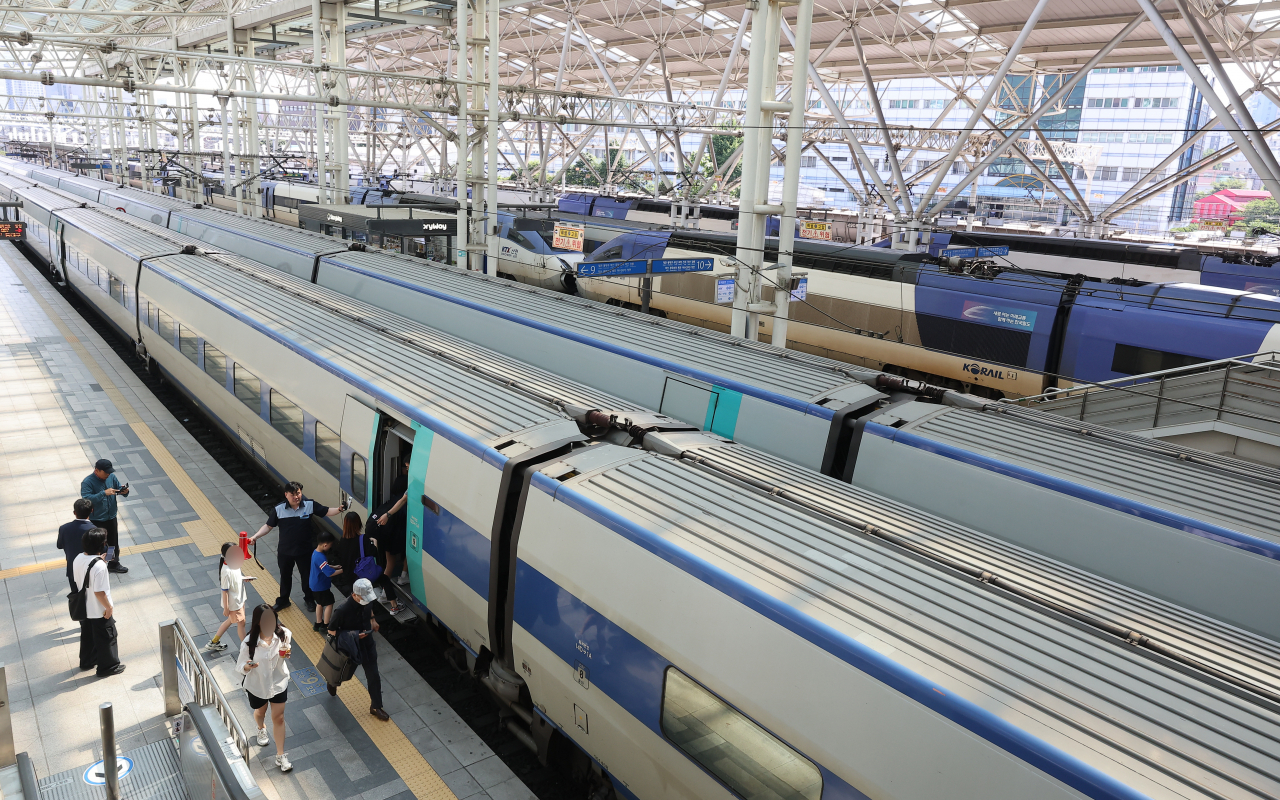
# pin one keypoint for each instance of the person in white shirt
(264, 663)
(98, 606)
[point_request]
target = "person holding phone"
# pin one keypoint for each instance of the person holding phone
(355, 614)
(263, 662)
(102, 487)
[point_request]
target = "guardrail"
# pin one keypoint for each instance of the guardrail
(8, 754)
(1155, 386)
(188, 679)
(235, 780)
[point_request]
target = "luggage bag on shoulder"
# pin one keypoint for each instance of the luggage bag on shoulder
(77, 602)
(335, 667)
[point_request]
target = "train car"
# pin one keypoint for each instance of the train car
(544, 526)
(968, 321)
(1120, 261)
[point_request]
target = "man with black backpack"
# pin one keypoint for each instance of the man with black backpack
(91, 576)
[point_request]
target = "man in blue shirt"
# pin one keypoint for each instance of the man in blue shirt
(70, 536)
(101, 488)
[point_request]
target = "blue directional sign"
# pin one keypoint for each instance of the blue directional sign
(683, 265)
(976, 252)
(600, 269)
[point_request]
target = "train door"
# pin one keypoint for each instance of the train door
(359, 425)
(58, 250)
(392, 455)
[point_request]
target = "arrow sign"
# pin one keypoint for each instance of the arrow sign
(683, 265)
(600, 269)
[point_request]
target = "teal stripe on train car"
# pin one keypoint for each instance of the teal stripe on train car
(722, 411)
(422, 438)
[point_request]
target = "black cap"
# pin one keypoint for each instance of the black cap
(105, 466)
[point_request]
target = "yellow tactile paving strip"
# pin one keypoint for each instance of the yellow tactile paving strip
(408, 763)
(59, 563)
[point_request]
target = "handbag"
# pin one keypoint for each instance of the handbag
(367, 567)
(335, 666)
(78, 601)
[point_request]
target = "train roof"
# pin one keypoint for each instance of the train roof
(397, 357)
(273, 234)
(1085, 707)
(1222, 491)
(135, 237)
(785, 372)
(153, 199)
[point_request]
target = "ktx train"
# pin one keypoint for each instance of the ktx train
(1001, 330)
(829, 415)
(656, 598)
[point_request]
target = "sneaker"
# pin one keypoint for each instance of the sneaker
(396, 608)
(403, 579)
(282, 761)
(264, 740)
(116, 567)
(317, 626)
(215, 647)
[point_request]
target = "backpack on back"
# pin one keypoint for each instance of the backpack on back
(78, 601)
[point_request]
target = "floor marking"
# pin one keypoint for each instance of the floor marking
(58, 563)
(408, 763)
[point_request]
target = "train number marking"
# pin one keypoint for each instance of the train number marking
(582, 675)
(584, 648)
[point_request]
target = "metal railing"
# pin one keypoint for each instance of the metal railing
(1212, 396)
(188, 679)
(8, 753)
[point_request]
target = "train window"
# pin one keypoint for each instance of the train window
(328, 450)
(359, 478)
(215, 364)
(115, 288)
(164, 326)
(188, 344)
(745, 757)
(1130, 360)
(248, 388)
(286, 417)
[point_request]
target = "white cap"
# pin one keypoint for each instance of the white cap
(362, 591)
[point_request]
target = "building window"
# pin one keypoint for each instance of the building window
(188, 344)
(328, 450)
(745, 757)
(215, 364)
(359, 478)
(1132, 174)
(1106, 173)
(286, 417)
(248, 389)
(808, 161)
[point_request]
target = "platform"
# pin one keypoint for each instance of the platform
(66, 400)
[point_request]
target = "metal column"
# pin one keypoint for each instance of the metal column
(791, 171)
(749, 254)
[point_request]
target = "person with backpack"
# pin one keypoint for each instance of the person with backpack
(358, 553)
(93, 582)
(264, 663)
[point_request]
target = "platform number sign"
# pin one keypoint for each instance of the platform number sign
(815, 230)
(568, 236)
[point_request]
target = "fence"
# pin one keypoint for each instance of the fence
(188, 679)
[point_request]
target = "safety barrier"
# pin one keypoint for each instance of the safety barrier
(187, 679)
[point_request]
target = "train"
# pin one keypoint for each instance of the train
(1120, 261)
(873, 429)
(994, 329)
(648, 598)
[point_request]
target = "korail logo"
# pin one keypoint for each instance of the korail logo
(980, 371)
(332, 218)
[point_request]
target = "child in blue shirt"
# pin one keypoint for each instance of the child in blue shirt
(322, 573)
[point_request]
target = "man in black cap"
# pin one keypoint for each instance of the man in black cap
(102, 488)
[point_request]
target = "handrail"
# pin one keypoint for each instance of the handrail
(1083, 391)
(27, 778)
(181, 658)
(222, 767)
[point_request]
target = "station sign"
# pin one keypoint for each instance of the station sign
(975, 252)
(568, 236)
(724, 290)
(800, 290)
(601, 269)
(12, 230)
(683, 265)
(815, 230)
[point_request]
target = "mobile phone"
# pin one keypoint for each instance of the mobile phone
(111, 554)
(251, 663)
(124, 488)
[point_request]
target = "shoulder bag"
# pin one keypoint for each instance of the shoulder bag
(78, 601)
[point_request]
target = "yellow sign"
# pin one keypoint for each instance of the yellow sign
(815, 230)
(568, 236)
(1212, 223)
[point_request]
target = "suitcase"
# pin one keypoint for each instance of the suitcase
(335, 667)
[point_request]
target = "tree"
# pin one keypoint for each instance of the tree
(1228, 183)
(1261, 211)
